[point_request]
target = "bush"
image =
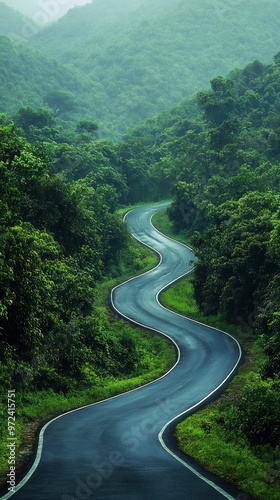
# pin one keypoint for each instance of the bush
(259, 411)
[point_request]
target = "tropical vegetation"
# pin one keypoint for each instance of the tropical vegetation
(63, 180)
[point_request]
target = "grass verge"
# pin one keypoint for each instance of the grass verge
(203, 435)
(164, 225)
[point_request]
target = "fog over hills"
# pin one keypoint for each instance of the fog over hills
(14, 24)
(44, 11)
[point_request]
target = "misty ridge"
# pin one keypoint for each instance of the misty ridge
(44, 11)
(134, 59)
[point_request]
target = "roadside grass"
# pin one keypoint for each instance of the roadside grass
(123, 210)
(158, 355)
(202, 435)
(165, 226)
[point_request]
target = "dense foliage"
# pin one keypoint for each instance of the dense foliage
(59, 238)
(233, 195)
(125, 61)
(30, 79)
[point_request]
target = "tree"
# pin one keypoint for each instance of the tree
(233, 265)
(219, 103)
(259, 412)
(37, 124)
(183, 211)
(28, 286)
(87, 131)
(60, 101)
(271, 343)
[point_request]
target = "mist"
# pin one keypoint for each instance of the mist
(44, 11)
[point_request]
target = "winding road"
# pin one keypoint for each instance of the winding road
(122, 448)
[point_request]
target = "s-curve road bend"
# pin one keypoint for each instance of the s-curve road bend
(122, 448)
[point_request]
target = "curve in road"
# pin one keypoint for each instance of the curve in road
(116, 449)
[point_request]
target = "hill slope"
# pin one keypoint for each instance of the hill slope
(147, 55)
(207, 139)
(26, 77)
(45, 10)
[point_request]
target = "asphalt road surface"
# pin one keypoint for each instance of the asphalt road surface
(122, 448)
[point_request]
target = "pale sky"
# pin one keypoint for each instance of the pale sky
(44, 11)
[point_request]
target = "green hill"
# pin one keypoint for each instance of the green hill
(208, 139)
(145, 56)
(126, 61)
(27, 77)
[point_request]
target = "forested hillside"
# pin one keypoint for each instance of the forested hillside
(60, 237)
(224, 166)
(57, 240)
(126, 61)
(30, 79)
(144, 56)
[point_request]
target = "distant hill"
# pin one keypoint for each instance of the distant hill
(14, 24)
(146, 55)
(127, 60)
(26, 77)
(43, 11)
